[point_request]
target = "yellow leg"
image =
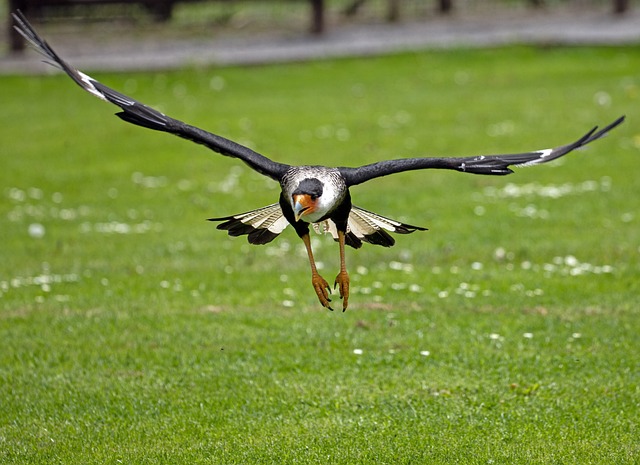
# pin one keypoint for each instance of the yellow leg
(342, 280)
(320, 285)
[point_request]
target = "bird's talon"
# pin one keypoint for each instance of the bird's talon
(322, 289)
(342, 282)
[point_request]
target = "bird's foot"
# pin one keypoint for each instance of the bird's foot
(342, 283)
(321, 286)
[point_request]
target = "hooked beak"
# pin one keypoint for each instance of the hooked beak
(301, 205)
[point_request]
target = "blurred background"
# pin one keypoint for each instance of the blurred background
(180, 32)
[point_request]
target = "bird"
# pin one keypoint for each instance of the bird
(312, 196)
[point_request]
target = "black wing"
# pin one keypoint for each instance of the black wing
(484, 164)
(142, 115)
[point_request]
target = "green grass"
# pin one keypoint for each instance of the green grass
(133, 331)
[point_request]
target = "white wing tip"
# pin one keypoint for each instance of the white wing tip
(542, 155)
(545, 153)
(89, 87)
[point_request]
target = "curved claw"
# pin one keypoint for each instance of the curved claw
(342, 283)
(322, 288)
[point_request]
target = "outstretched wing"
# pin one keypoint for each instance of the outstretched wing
(484, 164)
(366, 226)
(142, 115)
(261, 226)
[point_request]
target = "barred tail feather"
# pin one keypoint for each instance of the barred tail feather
(261, 226)
(366, 226)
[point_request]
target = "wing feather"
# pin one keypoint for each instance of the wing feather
(137, 113)
(484, 164)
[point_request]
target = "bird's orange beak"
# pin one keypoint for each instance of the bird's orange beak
(302, 205)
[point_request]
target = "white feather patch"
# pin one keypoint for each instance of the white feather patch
(541, 158)
(89, 87)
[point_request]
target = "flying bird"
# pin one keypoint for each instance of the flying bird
(311, 195)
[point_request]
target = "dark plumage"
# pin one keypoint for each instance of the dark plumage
(314, 195)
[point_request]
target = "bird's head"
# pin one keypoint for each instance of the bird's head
(304, 199)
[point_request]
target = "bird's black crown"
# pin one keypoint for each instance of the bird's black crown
(309, 186)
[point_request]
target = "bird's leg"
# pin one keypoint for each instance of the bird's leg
(342, 280)
(320, 285)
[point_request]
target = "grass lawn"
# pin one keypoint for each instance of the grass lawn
(132, 331)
